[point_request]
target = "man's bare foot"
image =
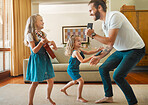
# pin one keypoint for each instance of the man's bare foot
(105, 100)
(64, 91)
(52, 102)
(82, 100)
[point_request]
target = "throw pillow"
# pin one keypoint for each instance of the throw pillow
(53, 61)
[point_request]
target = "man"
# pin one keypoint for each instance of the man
(130, 47)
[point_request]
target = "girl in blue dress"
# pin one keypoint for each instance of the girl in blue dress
(39, 65)
(76, 57)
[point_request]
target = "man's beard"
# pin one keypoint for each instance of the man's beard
(97, 15)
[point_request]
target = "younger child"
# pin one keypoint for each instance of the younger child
(39, 65)
(77, 57)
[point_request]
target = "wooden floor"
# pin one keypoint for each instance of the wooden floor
(135, 77)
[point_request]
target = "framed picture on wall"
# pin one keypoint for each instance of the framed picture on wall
(67, 31)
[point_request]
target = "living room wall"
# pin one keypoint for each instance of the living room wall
(115, 5)
(58, 15)
(74, 15)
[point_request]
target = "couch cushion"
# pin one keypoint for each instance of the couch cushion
(54, 61)
(60, 55)
(87, 67)
(62, 67)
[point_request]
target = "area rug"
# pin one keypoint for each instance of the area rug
(17, 94)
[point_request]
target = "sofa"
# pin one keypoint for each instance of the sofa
(60, 64)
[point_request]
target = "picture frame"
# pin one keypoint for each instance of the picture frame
(67, 31)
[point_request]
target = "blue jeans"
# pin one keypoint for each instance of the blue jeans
(123, 61)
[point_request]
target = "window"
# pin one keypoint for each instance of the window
(5, 35)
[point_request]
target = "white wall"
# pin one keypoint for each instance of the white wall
(57, 16)
(73, 13)
(115, 5)
(34, 8)
(141, 4)
(59, 1)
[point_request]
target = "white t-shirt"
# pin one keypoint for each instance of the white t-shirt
(127, 37)
(30, 37)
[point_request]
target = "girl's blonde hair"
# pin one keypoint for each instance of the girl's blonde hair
(70, 45)
(30, 28)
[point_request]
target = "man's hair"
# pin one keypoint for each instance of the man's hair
(97, 3)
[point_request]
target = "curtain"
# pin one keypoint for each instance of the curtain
(21, 12)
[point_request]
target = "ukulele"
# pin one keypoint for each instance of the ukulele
(46, 46)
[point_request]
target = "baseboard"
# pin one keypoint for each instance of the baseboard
(140, 68)
(4, 75)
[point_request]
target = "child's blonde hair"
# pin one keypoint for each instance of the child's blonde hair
(30, 28)
(70, 45)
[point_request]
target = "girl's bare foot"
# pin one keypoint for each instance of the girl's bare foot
(82, 100)
(105, 100)
(52, 102)
(64, 91)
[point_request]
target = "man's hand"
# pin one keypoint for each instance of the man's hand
(88, 32)
(94, 61)
(99, 49)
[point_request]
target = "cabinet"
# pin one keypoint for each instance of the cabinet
(139, 20)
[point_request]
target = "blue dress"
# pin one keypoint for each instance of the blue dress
(39, 66)
(73, 67)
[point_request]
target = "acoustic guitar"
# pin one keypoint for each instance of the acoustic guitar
(46, 46)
